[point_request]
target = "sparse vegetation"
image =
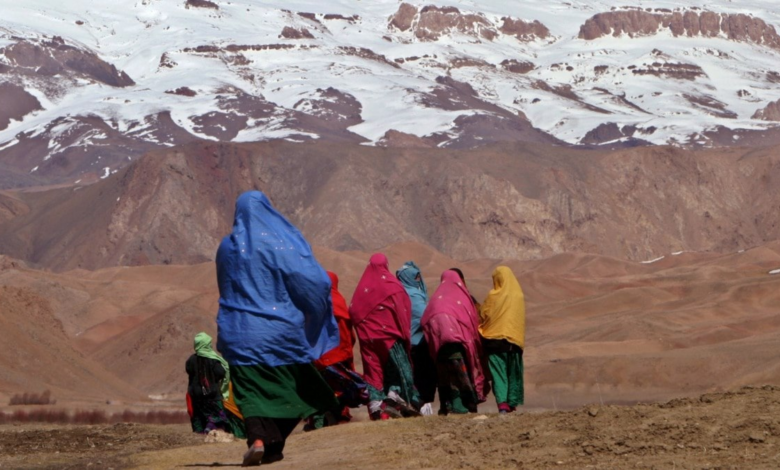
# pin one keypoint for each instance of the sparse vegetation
(28, 398)
(60, 416)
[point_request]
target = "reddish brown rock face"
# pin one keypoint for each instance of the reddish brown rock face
(517, 66)
(432, 22)
(397, 139)
(334, 16)
(183, 91)
(523, 30)
(294, 33)
(710, 105)
(16, 103)
(769, 113)
(50, 57)
(201, 4)
(737, 27)
(402, 19)
(671, 70)
(366, 53)
(603, 133)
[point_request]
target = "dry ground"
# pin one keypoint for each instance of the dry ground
(739, 429)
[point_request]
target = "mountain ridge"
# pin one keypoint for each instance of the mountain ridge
(92, 91)
(503, 201)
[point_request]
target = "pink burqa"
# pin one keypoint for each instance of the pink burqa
(451, 317)
(381, 313)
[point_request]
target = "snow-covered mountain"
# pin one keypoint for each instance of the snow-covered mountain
(87, 86)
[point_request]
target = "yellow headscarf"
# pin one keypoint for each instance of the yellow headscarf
(503, 313)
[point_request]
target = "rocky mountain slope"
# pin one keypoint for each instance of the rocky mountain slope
(86, 89)
(505, 201)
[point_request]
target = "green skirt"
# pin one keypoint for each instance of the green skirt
(292, 391)
(398, 377)
(507, 371)
(236, 425)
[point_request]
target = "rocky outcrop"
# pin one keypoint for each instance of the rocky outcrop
(610, 133)
(433, 22)
(770, 112)
(16, 103)
(201, 4)
(603, 133)
(635, 22)
(680, 71)
(335, 16)
(402, 19)
(54, 57)
(460, 62)
(183, 91)
(710, 105)
(429, 23)
(398, 139)
(366, 53)
(83, 149)
(517, 66)
(332, 105)
(524, 30)
(296, 33)
(166, 61)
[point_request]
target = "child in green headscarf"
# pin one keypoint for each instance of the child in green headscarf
(208, 387)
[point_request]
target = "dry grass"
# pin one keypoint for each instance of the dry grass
(93, 417)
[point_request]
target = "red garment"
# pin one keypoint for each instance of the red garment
(382, 314)
(451, 317)
(342, 352)
(190, 409)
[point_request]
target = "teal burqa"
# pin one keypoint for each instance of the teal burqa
(411, 278)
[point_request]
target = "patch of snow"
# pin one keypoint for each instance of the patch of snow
(774, 271)
(133, 36)
(8, 144)
(653, 260)
(106, 173)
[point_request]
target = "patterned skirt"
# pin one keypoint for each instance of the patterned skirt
(207, 415)
(456, 390)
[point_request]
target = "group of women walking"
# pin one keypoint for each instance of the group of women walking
(286, 336)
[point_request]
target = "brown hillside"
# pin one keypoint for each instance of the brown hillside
(510, 201)
(598, 328)
(38, 355)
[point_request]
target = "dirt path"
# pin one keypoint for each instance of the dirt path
(738, 429)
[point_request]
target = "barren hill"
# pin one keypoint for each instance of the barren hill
(39, 355)
(599, 328)
(510, 201)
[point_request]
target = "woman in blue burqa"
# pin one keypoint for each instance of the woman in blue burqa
(274, 319)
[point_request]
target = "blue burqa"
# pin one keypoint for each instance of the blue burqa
(418, 293)
(274, 297)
